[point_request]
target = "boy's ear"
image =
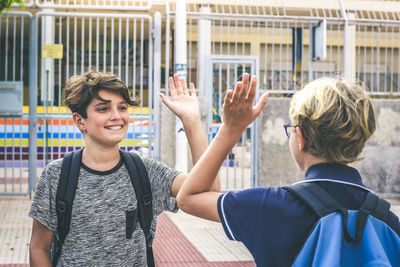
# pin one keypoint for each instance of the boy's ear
(302, 141)
(79, 121)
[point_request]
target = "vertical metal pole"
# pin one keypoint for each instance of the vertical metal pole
(181, 150)
(350, 49)
(347, 47)
(204, 49)
(32, 102)
(167, 52)
(254, 131)
(209, 93)
(150, 92)
(157, 85)
(310, 51)
(83, 48)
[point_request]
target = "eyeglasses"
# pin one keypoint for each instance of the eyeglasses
(286, 126)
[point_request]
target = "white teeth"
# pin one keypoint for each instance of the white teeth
(114, 127)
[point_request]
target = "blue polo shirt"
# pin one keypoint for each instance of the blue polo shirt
(273, 224)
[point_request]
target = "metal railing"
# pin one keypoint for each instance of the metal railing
(96, 4)
(14, 67)
(256, 28)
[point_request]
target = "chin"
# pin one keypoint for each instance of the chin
(115, 141)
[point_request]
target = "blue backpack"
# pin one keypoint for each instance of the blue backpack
(344, 237)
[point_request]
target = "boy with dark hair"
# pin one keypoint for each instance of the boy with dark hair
(104, 195)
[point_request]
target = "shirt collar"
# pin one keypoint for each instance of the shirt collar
(333, 171)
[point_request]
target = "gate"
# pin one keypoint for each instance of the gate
(223, 71)
(56, 46)
(14, 87)
(117, 43)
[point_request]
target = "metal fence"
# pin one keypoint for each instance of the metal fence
(122, 44)
(273, 33)
(279, 36)
(378, 56)
(240, 166)
(14, 59)
(89, 4)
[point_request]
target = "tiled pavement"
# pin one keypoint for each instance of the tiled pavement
(189, 242)
(181, 240)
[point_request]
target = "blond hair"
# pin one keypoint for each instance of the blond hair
(336, 119)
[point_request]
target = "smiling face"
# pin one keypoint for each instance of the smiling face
(107, 121)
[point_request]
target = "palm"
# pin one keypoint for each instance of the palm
(182, 103)
(238, 110)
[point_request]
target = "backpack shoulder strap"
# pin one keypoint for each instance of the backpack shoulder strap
(372, 205)
(65, 195)
(314, 197)
(322, 203)
(141, 184)
(376, 206)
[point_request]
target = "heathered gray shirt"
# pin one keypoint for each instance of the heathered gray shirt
(97, 235)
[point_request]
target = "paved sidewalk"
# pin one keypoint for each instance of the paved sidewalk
(15, 229)
(181, 240)
(187, 242)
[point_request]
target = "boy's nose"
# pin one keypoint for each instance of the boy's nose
(115, 114)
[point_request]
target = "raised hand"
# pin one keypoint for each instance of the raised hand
(182, 103)
(238, 110)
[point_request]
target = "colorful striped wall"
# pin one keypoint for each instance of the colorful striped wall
(62, 135)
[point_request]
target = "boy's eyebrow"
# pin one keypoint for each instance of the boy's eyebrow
(108, 101)
(102, 103)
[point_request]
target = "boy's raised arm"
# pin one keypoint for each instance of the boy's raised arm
(184, 104)
(195, 196)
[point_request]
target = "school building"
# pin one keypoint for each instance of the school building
(286, 43)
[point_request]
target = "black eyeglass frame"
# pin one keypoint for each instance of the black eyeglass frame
(286, 126)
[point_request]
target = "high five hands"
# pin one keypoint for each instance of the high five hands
(238, 110)
(183, 103)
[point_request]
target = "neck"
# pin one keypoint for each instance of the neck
(310, 160)
(100, 158)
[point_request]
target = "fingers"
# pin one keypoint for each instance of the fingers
(236, 94)
(241, 88)
(245, 81)
(172, 88)
(192, 89)
(261, 103)
(165, 100)
(228, 97)
(178, 84)
(252, 91)
(184, 86)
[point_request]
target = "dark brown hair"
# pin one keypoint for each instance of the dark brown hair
(80, 90)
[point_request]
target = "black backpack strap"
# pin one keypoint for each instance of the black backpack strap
(322, 203)
(314, 197)
(65, 196)
(372, 205)
(141, 185)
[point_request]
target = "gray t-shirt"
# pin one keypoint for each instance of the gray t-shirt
(97, 235)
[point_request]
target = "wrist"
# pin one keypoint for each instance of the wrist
(191, 122)
(231, 133)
